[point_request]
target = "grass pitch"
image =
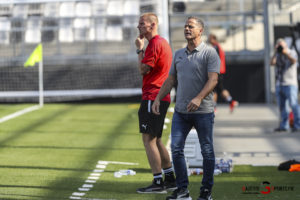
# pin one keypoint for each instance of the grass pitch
(49, 153)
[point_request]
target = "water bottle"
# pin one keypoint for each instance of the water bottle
(117, 174)
(217, 172)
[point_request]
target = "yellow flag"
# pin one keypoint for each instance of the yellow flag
(36, 56)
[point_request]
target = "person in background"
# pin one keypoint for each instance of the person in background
(154, 64)
(195, 68)
(285, 62)
(212, 39)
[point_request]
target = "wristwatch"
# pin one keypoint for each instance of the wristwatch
(138, 51)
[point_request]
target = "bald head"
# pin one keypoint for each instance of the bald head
(150, 17)
(148, 25)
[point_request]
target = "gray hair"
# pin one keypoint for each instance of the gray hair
(198, 20)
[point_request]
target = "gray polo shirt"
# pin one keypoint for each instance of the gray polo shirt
(191, 71)
(286, 72)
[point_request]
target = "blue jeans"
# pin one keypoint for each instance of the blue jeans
(287, 96)
(181, 126)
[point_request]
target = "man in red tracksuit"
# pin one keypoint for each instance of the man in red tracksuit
(154, 65)
(212, 39)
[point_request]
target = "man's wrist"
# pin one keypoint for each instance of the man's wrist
(138, 51)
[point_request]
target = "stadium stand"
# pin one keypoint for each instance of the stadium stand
(88, 48)
(89, 44)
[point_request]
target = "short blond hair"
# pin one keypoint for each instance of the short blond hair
(279, 40)
(151, 17)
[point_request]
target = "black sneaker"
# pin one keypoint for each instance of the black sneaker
(205, 195)
(153, 188)
(170, 185)
(180, 193)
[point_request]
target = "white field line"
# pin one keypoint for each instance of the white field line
(93, 177)
(117, 163)
(19, 113)
(168, 146)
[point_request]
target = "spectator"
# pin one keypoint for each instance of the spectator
(285, 62)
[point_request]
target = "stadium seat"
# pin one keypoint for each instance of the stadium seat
(65, 35)
(15, 35)
(67, 9)
(100, 33)
(100, 29)
(51, 9)
(114, 33)
(49, 33)
(83, 9)
(82, 23)
(5, 10)
(20, 10)
(92, 35)
(35, 9)
(5, 26)
(33, 33)
(115, 7)
(33, 36)
(81, 26)
(66, 31)
(131, 7)
(99, 7)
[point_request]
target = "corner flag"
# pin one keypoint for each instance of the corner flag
(36, 56)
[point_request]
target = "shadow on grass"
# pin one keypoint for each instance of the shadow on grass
(35, 124)
(43, 168)
(9, 196)
(104, 146)
(68, 148)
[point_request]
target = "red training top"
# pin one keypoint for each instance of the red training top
(158, 56)
(222, 58)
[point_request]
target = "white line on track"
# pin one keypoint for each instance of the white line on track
(93, 177)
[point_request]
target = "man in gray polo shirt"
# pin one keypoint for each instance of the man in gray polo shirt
(196, 69)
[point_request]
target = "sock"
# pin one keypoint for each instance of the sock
(169, 174)
(158, 180)
(229, 99)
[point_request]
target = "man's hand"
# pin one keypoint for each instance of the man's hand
(285, 51)
(155, 107)
(194, 104)
(139, 42)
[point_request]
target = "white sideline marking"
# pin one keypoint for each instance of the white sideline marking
(78, 194)
(84, 189)
(101, 166)
(95, 174)
(19, 113)
(93, 177)
(115, 162)
(98, 170)
(90, 181)
(71, 197)
(88, 185)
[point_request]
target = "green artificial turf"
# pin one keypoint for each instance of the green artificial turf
(49, 153)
